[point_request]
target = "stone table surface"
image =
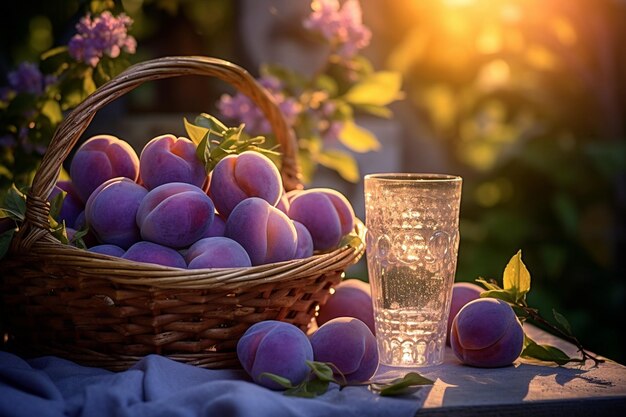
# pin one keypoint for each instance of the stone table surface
(528, 388)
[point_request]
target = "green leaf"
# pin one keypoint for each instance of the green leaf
(55, 61)
(317, 386)
(379, 88)
(14, 204)
(77, 239)
(401, 386)
(282, 381)
(52, 110)
(327, 83)
(203, 153)
(299, 391)
(321, 370)
(504, 295)
(376, 110)
(59, 231)
(562, 321)
(352, 240)
(357, 138)
(210, 122)
(99, 6)
(53, 52)
(547, 353)
(516, 277)
(196, 133)
(56, 204)
(5, 242)
(89, 86)
(340, 161)
(487, 284)
(309, 389)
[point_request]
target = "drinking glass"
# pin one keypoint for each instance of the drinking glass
(412, 242)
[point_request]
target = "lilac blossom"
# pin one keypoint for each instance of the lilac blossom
(28, 79)
(100, 36)
(239, 107)
(341, 25)
(329, 127)
(332, 132)
(7, 141)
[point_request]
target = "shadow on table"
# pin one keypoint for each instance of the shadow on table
(468, 385)
(459, 385)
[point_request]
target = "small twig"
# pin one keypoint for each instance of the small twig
(534, 315)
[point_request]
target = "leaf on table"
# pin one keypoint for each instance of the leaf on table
(280, 380)
(308, 389)
(548, 353)
(402, 386)
(322, 371)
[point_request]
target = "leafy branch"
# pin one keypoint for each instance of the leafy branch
(323, 373)
(214, 140)
(516, 284)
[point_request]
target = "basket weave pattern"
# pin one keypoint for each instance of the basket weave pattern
(109, 312)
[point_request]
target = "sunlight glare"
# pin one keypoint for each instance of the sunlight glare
(458, 3)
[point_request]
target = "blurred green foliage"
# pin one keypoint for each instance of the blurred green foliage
(528, 99)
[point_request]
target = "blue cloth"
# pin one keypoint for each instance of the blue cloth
(157, 386)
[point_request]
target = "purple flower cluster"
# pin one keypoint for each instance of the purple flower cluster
(328, 125)
(341, 25)
(28, 79)
(102, 35)
(239, 107)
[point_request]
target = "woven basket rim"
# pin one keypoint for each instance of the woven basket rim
(125, 271)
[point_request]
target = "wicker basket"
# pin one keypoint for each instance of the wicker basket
(109, 312)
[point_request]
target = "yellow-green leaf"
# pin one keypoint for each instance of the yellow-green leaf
(89, 86)
(380, 88)
(516, 276)
(52, 110)
(357, 138)
(340, 161)
(196, 133)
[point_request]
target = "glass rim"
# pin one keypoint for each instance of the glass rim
(413, 177)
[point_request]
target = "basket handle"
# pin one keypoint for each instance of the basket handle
(36, 225)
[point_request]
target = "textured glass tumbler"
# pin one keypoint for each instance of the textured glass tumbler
(412, 242)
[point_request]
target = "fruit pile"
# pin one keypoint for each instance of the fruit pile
(162, 207)
(482, 332)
